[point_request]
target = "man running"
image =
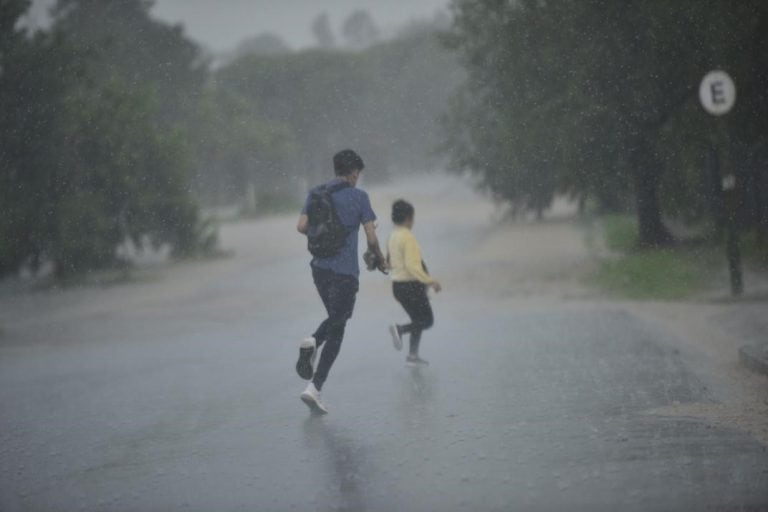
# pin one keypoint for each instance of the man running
(336, 276)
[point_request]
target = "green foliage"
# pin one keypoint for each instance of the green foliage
(30, 92)
(310, 92)
(90, 156)
(384, 101)
(120, 39)
(112, 126)
(236, 149)
(597, 99)
(128, 174)
(10, 12)
(359, 29)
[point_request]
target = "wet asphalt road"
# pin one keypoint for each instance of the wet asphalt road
(178, 393)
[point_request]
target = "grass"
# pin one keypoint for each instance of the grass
(620, 232)
(663, 274)
(755, 250)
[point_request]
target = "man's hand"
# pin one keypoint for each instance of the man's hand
(373, 247)
(374, 262)
(437, 286)
(302, 226)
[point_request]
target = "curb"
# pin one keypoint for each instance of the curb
(755, 357)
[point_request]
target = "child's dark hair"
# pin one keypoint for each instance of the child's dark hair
(402, 210)
(346, 161)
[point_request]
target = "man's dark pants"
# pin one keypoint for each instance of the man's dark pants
(338, 292)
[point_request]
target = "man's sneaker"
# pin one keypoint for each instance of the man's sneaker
(311, 397)
(397, 339)
(305, 366)
(416, 361)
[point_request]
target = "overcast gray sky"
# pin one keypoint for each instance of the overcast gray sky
(221, 24)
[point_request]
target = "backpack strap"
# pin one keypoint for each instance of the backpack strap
(337, 186)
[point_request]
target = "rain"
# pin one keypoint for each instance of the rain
(454, 255)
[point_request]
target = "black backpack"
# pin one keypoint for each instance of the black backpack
(326, 235)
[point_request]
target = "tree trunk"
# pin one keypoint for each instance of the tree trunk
(651, 229)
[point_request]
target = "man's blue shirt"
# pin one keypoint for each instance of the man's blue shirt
(354, 209)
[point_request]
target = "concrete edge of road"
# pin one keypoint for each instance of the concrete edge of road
(755, 357)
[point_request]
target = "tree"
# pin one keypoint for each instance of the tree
(359, 30)
(121, 175)
(90, 157)
(384, 101)
(32, 90)
(121, 39)
(12, 11)
(580, 96)
(262, 44)
(239, 151)
(321, 28)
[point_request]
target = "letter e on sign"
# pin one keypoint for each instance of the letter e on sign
(717, 93)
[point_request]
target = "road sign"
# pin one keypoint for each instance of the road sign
(717, 93)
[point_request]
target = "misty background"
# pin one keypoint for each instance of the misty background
(222, 25)
(132, 121)
(240, 115)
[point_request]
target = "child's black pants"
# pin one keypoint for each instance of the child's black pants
(412, 295)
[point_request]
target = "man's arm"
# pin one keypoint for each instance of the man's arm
(373, 243)
(303, 225)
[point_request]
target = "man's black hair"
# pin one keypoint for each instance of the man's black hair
(402, 210)
(346, 161)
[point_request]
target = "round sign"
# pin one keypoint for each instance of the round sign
(717, 93)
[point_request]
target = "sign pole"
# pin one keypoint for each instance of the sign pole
(717, 93)
(732, 235)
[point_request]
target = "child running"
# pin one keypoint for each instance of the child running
(410, 280)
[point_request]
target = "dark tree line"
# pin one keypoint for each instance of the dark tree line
(115, 126)
(599, 99)
(91, 149)
(385, 100)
